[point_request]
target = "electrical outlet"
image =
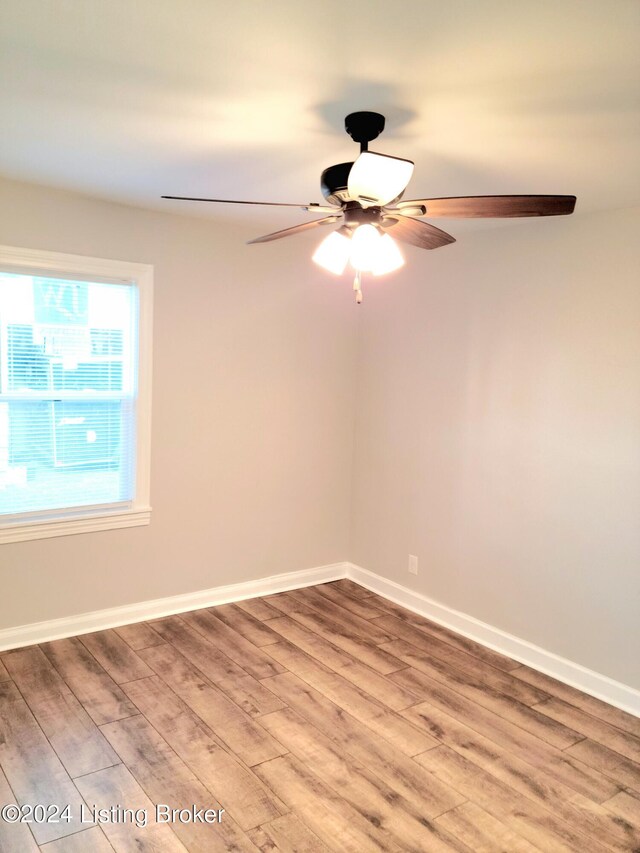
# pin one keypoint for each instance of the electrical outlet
(413, 565)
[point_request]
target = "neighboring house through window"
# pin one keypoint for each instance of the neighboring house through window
(75, 371)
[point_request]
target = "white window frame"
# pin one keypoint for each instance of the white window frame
(138, 511)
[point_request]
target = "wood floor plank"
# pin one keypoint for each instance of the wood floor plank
(75, 737)
(116, 786)
(4, 675)
(424, 669)
(14, 837)
(522, 744)
(526, 817)
(115, 656)
(365, 628)
(240, 732)
(338, 634)
(244, 797)
(32, 769)
(245, 690)
(397, 770)
(482, 832)
(262, 841)
(310, 642)
(353, 589)
(326, 814)
(287, 834)
(363, 790)
(621, 770)
(258, 608)
(362, 607)
(466, 663)
(405, 737)
(626, 806)
(598, 730)
(389, 693)
(92, 839)
(252, 659)
(252, 629)
(165, 778)
(139, 635)
(589, 704)
(100, 696)
(439, 632)
(528, 780)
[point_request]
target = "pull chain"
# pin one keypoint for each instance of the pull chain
(357, 282)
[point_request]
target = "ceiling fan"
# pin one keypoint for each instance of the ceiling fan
(365, 197)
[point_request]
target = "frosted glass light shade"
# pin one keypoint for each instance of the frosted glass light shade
(374, 252)
(333, 253)
(388, 256)
(364, 247)
(376, 179)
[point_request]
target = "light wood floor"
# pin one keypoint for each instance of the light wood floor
(322, 719)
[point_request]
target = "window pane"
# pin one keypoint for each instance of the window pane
(73, 339)
(64, 454)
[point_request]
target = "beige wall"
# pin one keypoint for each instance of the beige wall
(498, 433)
(252, 412)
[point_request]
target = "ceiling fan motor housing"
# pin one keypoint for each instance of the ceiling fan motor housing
(333, 183)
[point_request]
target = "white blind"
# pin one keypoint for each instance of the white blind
(67, 394)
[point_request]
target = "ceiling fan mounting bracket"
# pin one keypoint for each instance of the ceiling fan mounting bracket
(364, 126)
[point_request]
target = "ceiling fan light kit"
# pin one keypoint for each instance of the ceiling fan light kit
(366, 195)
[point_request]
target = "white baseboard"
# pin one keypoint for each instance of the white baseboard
(601, 686)
(113, 617)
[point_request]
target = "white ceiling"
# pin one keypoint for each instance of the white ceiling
(132, 99)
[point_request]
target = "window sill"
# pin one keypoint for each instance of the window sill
(25, 531)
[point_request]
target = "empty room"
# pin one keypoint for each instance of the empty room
(319, 426)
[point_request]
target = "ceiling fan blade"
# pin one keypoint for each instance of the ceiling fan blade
(376, 179)
(421, 234)
(320, 208)
(296, 229)
(494, 205)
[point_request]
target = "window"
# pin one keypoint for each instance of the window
(74, 394)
